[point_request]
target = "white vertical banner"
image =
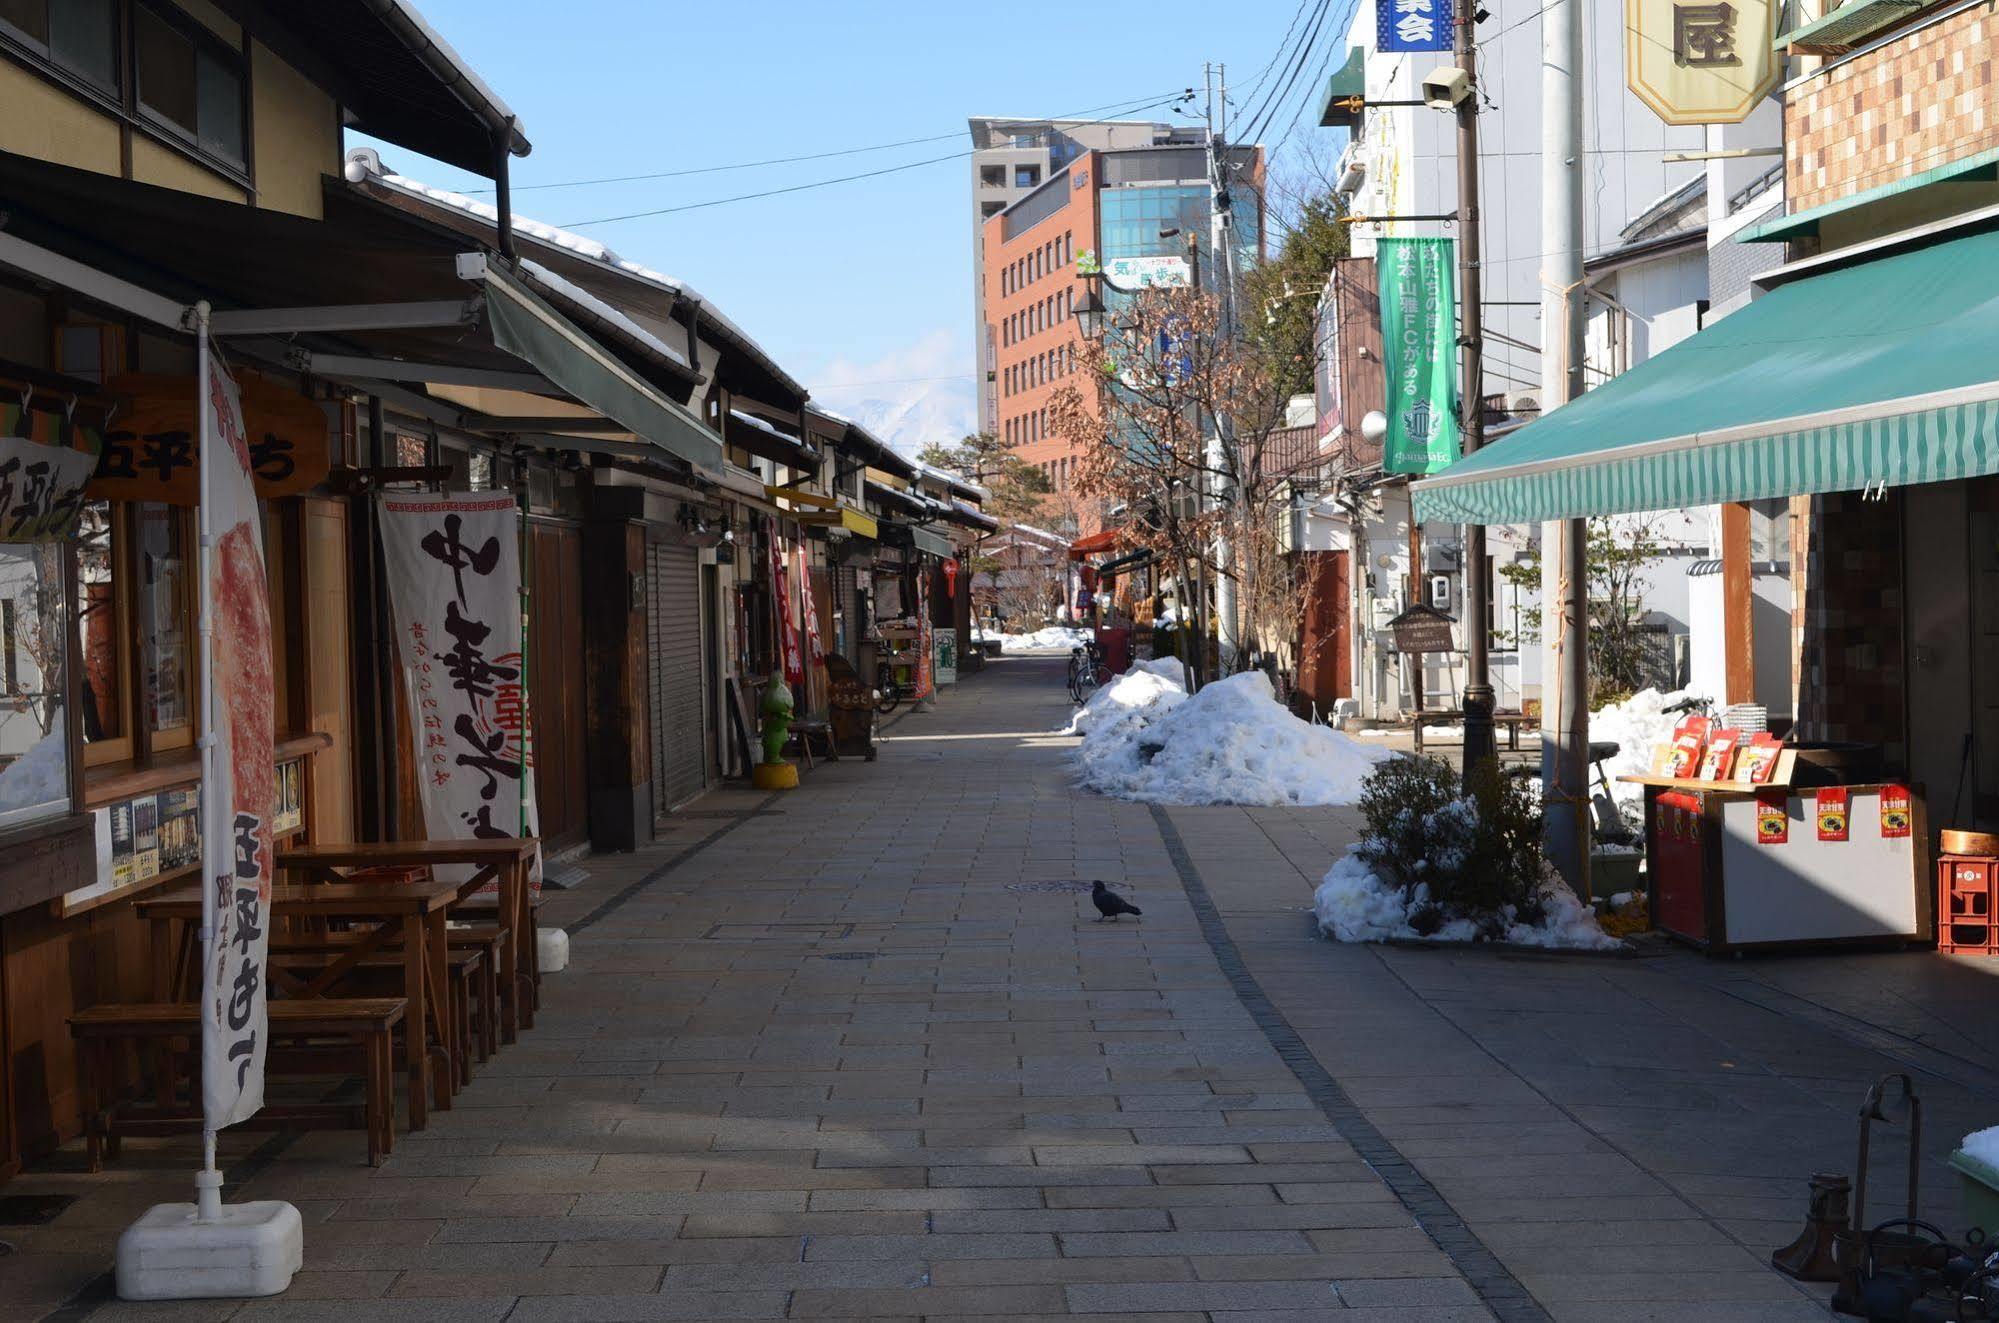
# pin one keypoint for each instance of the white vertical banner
(454, 570)
(238, 777)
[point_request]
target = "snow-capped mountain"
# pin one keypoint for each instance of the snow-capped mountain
(936, 411)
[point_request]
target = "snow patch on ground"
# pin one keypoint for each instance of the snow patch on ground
(1354, 905)
(1231, 743)
(1055, 638)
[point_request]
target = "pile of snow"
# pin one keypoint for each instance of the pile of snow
(1354, 905)
(39, 776)
(1983, 1145)
(1138, 696)
(1637, 726)
(1231, 743)
(1056, 638)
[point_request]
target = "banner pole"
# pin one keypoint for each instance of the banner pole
(208, 1181)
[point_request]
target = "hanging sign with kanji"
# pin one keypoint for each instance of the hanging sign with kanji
(1773, 817)
(1830, 806)
(45, 460)
(1700, 61)
(1412, 25)
(784, 621)
(150, 450)
(1897, 818)
(454, 572)
(240, 782)
(1419, 341)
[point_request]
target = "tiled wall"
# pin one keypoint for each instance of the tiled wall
(1922, 100)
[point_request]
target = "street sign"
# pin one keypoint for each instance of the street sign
(1129, 273)
(1423, 629)
(1700, 63)
(1412, 25)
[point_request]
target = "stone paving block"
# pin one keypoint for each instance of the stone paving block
(933, 1246)
(1125, 1297)
(989, 1222)
(1121, 1244)
(666, 1307)
(749, 1225)
(1157, 1196)
(1006, 1272)
(853, 1273)
(424, 1283)
(278, 1309)
(929, 1302)
(617, 1253)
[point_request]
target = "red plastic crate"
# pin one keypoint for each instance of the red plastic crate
(1968, 904)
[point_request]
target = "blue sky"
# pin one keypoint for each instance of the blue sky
(852, 285)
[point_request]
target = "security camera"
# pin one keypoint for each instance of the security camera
(1443, 89)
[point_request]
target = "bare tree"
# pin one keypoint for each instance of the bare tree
(1178, 424)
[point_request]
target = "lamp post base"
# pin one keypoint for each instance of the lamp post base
(1481, 744)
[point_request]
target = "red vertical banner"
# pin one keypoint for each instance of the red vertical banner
(239, 779)
(786, 623)
(926, 659)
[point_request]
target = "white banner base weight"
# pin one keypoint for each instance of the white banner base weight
(171, 1253)
(551, 950)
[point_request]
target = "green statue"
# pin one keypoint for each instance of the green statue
(777, 709)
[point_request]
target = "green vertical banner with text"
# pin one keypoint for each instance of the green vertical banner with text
(1420, 354)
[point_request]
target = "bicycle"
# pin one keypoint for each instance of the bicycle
(1087, 670)
(888, 694)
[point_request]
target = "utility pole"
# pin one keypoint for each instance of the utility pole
(1480, 747)
(1564, 589)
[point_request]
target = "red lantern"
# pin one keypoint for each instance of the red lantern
(951, 577)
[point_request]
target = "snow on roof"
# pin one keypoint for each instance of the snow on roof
(589, 249)
(762, 425)
(546, 278)
(1041, 534)
(950, 478)
(473, 81)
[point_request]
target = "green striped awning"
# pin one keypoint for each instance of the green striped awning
(1886, 372)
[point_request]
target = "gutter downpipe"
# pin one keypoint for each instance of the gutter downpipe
(503, 190)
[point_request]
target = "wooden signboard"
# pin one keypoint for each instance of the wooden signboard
(1423, 629)
(150, 451)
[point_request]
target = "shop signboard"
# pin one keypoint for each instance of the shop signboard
(238, 777)
(45, 460)
(786, 622)
(946, 662)
(1707, 62)
(1420, 353)
(454, 571)
(1412, 25)
(150, 451)
(1135, 273)
(1422, 629)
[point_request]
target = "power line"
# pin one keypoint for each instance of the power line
(811, 156)
(1279, 94)
(819, 183)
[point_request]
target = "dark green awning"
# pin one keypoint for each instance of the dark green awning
(1980, 167)
(1881, 373)
(524, 325)
(1340, 107)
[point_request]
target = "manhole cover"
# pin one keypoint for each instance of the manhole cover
(32, 1210)
(847, 955)
(1048, 886)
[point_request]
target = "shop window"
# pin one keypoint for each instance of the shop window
(34, 738)
(164, 601)
(78, 37)
(100, 611)
(189, 86)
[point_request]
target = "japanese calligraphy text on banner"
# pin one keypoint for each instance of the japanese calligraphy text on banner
(1419, 354)
(149, 451)
(1412, 25)
(785, 622)
(45, 461)
(454, 573)
(239, 781)
(1701, 61)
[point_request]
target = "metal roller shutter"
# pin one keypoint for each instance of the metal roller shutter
(673, 662)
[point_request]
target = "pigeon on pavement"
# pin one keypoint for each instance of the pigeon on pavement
(1109, 904)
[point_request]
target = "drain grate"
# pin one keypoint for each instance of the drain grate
(1047, 886)
(33, 1210)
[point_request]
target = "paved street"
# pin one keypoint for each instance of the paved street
(861, 1051)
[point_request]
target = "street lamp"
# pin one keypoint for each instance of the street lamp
(1090, 312)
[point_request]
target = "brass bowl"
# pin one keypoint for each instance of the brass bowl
(1979, 843)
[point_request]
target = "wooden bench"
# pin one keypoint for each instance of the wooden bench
(462, 1020)
(366, 1025)
(1513, 722)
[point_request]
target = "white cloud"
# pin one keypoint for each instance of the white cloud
(910, 396)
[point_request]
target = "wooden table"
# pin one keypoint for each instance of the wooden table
(506, 861)
(410, 912)
(1512, 722)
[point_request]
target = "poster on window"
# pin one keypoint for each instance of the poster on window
(454, 570)
(1419, 340)
(237, 771)
(1412, 25)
